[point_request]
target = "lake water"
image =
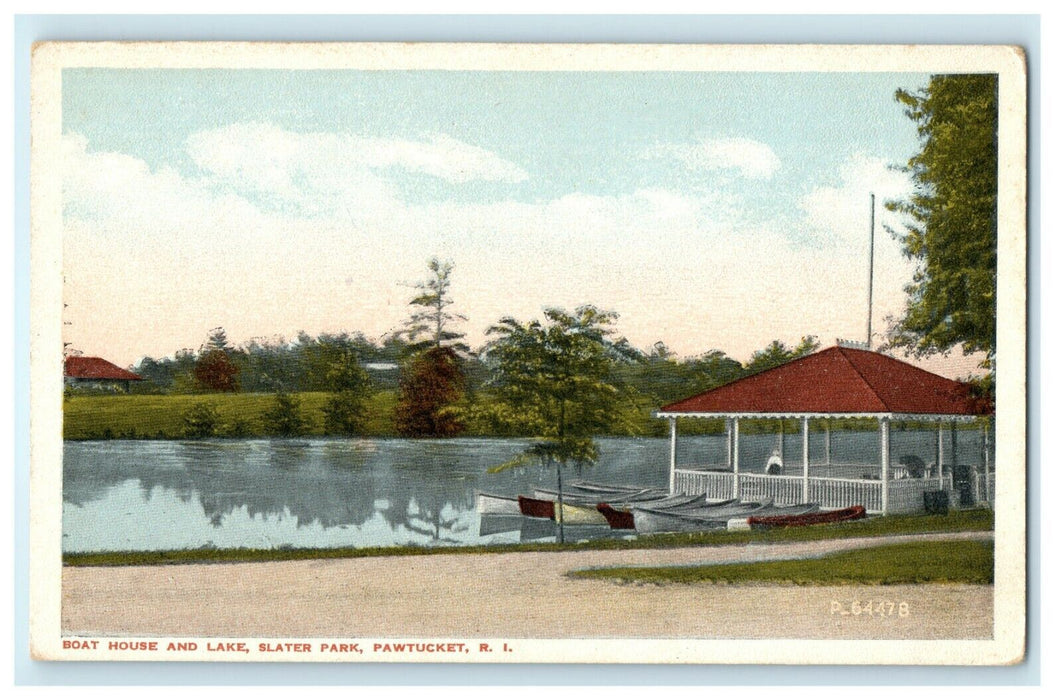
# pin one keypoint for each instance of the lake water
(156, 495)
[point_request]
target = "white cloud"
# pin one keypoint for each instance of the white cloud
(154, 260)
(752, 159)
(841, 213)
(313, 169)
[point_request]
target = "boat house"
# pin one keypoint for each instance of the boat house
(847, 388)
(96, 373)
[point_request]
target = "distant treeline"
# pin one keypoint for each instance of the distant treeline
(346, 384)
(322, 364)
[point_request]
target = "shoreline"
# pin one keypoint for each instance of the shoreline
(966, 521)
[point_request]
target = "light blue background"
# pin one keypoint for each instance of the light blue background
(1013, 29)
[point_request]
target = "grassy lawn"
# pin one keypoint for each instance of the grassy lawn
(162, 416)
(913, 562)
(962, 521)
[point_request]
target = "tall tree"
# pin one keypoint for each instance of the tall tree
(431, 324)
(558, 372)
(432, 381)
(214, 369)
(951, 229)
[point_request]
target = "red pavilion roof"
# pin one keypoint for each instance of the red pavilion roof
(837, 380)
(96, 368)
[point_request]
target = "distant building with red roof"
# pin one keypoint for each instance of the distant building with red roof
(96, 373)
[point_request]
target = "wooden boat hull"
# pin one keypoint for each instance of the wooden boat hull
(535, 507)
(619, 517)
(493, 504)
(698, 519)
(800, 520)
(581, 515)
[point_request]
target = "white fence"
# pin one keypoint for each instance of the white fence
(717, 485)
(785, 490)
(841, 493)
(905, 495)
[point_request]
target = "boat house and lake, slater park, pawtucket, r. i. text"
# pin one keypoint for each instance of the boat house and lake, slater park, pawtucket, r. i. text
(490, 353)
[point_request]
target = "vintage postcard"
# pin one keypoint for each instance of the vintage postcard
(528, 353)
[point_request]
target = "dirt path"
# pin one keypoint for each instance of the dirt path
(518, 595)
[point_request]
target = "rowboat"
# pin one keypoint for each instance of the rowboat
(536, 507)
(574, 513)
(591, 497)
(619, 516)
(493, 504)
(692, 519)
(797, 520)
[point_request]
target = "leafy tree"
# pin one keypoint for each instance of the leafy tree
(431, 324)
(215, 370)
(284, 417)
(344, 412)
(330, 363)
(430, 389)
(951, 229)
(778, 353)
(200, 420)
(711, 369)
(432, 382)
(559, 371)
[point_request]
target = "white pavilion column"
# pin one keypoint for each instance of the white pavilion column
(807, 460)
(885, 460)
(673, 423)
(729, 444)
(827, 445)
(736, 461)
(940, 453)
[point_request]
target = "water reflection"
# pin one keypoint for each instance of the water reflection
(327, 492)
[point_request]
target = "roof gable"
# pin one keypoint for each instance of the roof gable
(96, 368)
(837, 380)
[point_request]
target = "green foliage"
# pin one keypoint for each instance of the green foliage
(560, 372)
(778, 353)
(432, 384)
(201, 420)
(951, 232)
(431, 325)
(284, 418)
(344, 412)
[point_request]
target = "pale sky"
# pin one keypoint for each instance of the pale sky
(710, 210)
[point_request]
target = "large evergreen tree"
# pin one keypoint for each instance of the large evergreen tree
(952, 217)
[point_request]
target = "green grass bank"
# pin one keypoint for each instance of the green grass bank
(907, 563)
(961, 521)
(161, 417)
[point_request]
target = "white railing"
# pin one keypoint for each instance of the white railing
(785, 490)
(717, 485)
(905, 495)
(841, 493)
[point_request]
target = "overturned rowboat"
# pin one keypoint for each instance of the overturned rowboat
(817, 518)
